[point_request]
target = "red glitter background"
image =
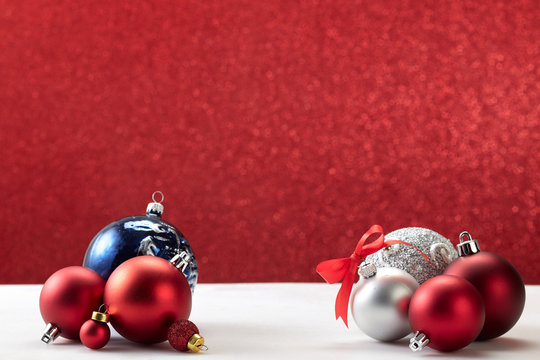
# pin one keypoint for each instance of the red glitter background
(279, 131)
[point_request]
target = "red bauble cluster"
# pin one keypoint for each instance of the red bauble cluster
(481, 296)
(146, 295)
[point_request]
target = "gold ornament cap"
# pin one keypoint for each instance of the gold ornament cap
(101, 317)
(196, 343)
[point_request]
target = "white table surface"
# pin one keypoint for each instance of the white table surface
(255, 321)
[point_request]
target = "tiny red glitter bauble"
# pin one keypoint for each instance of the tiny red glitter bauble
(500, 286)
(448, 310)
(180, 332)
(145, 295)
(68, 298)
(95, 334)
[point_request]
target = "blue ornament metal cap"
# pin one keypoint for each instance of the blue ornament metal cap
(155, 208)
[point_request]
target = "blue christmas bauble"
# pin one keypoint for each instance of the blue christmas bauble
(140, 235)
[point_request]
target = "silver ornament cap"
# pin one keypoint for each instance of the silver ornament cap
(367, 270)
(155, 208)
(50, 334)
(418, 341)
(467, 247)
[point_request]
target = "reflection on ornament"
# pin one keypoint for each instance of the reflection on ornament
(136, 236)
(380, 302)
(439, 249)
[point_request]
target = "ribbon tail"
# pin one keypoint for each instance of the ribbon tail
(344, 294)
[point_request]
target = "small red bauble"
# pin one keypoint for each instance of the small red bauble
(446, 313)
(498, 281)
(145, 295)
(95, 334)
(67, 300)
(184, 335)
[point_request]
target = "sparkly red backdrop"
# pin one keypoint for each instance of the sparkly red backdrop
(279, 131)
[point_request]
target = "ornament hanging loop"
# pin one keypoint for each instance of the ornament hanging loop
(467, 246)
(463, 235)
(160, 194)
(101, 315)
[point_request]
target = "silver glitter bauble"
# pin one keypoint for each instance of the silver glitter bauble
(438, 249)
(380, 304)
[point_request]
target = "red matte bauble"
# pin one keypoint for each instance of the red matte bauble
(500, 285)
(95, 334)
(145, 295)
(179, 334)
(68, 298)
(448, 310)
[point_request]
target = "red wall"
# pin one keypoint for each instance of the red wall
(279, 131)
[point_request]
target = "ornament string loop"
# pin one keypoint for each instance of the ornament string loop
(160, 194)
(464, 235)
(344, 269)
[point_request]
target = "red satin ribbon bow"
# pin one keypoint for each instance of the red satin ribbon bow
(345, 269)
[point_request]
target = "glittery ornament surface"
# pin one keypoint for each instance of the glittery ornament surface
(279, 131)
(438, 249)
(180, 332)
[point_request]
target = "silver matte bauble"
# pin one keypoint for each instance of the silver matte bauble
(438, 249)
(380, 304)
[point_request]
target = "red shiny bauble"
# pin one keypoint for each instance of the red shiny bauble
(500, 285)
(448, 310)
(145, 295)
(68, 298)
(95, 334)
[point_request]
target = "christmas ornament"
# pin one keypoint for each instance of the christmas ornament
(498, 282)
(183, 335)
(67, 300)
(140, 235)
(344, 269)
(380, 302)
(145, 295)
(95, 333)
(440, 250)
(446, 313)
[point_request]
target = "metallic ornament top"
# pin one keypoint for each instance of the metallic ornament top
(141, 235)
(467, 247)
(439, 250)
